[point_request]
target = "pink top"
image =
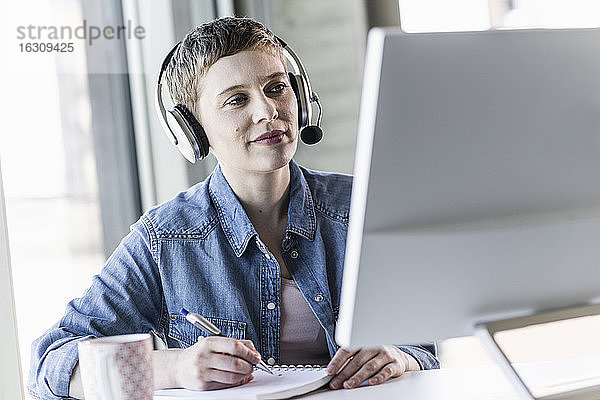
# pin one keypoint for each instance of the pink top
(302, 339)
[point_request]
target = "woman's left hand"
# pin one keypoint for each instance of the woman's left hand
(375, 365)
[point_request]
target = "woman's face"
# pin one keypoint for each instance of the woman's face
(249, 112)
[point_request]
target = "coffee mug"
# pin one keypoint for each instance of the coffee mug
(117, 367)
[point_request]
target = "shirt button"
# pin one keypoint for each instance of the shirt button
(319, 298)
(271, 306)
(271, 361)
(294, 254)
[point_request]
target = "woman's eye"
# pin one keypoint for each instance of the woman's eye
(236, 100)
(279, 88)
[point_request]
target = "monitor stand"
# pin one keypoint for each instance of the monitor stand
(486, 331)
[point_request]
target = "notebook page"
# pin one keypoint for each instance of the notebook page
(282, 384)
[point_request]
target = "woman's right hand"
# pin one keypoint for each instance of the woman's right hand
(212, 363)
(215, 363)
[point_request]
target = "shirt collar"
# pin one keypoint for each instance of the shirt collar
(235, 222)
(301, 211)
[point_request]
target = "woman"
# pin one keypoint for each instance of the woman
(257, 248)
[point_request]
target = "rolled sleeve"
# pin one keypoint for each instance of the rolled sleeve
(55, 355)
(424, 354)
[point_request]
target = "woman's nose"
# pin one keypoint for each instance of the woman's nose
(264, 110)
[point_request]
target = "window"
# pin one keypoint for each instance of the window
(469, 15)
(550, 14)
(67, 155)
(444, 16)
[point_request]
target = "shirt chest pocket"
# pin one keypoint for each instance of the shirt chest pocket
(187, 334)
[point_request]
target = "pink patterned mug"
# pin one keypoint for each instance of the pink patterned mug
(117, 367)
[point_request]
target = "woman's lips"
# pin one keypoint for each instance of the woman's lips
(271, 137)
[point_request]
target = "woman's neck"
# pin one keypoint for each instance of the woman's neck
(264, 196)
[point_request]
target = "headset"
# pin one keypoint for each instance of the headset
(185, 132)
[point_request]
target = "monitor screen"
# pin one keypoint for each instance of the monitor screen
(477, 182)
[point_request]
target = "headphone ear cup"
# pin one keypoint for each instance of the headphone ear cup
(196, 146)
(299, 88)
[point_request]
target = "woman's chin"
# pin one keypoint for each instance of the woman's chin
(274, 165)
(279, 158)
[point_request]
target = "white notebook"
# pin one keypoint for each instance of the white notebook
(286, 382)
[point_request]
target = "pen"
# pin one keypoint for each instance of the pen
(202, 323)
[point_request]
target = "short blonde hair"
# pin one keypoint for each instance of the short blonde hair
(206, 44)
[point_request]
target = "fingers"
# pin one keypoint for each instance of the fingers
(237, 348)
(340, 358)
(357, 360)
(229, 363)
(217, 362)
(388, 371)
(249, 344)
(226, 377)
(375, 365)
(213, 385)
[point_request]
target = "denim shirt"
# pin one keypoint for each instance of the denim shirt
(200, 251)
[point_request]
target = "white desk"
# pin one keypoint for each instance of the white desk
(479, 382)
(485, 382)
(482, 382)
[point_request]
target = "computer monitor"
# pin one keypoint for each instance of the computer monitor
(11, 386)
(477, 182)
